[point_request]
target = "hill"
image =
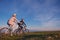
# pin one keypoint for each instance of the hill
(46, 35)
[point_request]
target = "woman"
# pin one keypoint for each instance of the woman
(11, 22)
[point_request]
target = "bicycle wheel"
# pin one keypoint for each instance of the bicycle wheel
(4, 30)
(26, 31)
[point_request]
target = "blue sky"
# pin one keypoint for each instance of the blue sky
(38, 14)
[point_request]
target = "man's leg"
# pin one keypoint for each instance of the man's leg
(21, 30)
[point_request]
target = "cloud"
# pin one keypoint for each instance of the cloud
(47, 15)
(44, 13)
(45, 28)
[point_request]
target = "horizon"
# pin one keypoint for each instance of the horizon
(38, 14)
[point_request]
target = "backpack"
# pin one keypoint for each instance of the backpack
(8, 23)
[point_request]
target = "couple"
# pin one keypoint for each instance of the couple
(12, 22)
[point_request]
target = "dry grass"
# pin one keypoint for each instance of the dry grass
(55, 35)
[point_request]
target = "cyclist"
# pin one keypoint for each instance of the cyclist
(11, 23)
(22, 24)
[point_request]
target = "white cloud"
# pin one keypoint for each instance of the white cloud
(45, 14)
(44, 28)
(48, 26)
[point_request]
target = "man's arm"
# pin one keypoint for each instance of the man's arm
(24, 24)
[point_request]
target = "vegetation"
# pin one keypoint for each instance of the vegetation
(51, 35)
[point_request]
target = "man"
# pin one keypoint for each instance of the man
(22, 24)
(11, 22)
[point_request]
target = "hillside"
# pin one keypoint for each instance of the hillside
(47, 35)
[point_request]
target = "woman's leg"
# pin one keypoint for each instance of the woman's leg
(11, 30)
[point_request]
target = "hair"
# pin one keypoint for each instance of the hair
(14, 15)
